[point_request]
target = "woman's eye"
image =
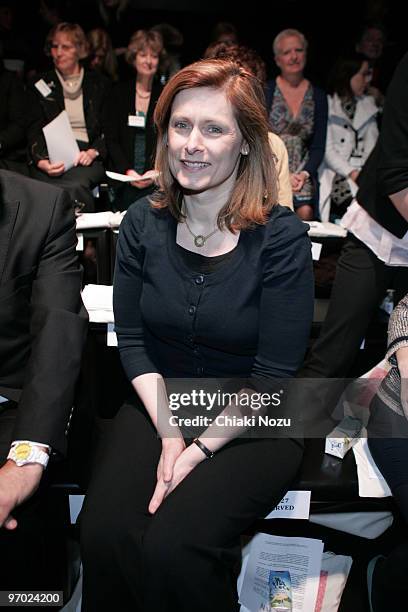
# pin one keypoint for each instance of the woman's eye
(180, 125)
(214, 129)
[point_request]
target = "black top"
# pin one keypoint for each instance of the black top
(249, 317)
(386, 170)
(201, 263)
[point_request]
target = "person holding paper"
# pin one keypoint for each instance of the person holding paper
(128, 118)
(213, 280)
(81, 93)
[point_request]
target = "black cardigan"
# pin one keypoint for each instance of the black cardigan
(42, 110)
(248, 318)
(120, 138)
(386, 170)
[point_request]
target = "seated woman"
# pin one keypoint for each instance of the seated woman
(81, 92)
(101, 54)
(298, 114)
(213, 280)
(388, 442)
(128, 119)
(352, 132)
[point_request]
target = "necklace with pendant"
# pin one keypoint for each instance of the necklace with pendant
(199, 239)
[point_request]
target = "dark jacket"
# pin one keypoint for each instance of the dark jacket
(42, 320)
(120, 138)
(12, 117)
(42, 110)
(386, 170)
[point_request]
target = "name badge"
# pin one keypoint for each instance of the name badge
(43, 88)
(137, 121)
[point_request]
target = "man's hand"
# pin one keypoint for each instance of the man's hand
(51, 169)
(172, 448)
(16, 485)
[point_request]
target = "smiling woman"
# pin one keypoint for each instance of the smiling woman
(213, 279)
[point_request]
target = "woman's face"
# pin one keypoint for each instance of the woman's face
(361, 80)
(64, 54)
(204, 140)
(291, 58)
(146, 62)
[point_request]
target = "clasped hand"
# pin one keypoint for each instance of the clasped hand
(176, 462)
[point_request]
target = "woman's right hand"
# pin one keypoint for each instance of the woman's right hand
(52, 170)
(171, 450)
(144, 180)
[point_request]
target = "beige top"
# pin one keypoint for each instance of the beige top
(285, 197)
(74, 105)
(75, 110)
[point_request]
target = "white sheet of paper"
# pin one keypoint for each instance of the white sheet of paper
(295, 505)
(302, 557)
(111, 338)
(75, 505)
(61, 143)
(80, 243)
(124, 178)
(316, 250)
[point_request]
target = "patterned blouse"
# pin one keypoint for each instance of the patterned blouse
(296, 133)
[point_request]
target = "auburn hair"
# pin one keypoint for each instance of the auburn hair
(255, 190)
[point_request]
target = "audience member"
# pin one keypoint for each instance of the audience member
(128, 123)
(12, 122)
(250, 60)
(370, 44)
(101, 56)
(352, 132)
(172, 42)
(388, 443)
(42, 330)
(81, 93)
(375, 255)
(225, 32)
(298, 114)
(214, 226)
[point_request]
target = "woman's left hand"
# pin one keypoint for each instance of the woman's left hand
(184, 464)
(86, 158)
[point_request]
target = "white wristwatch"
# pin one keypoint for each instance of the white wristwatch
(26, 452)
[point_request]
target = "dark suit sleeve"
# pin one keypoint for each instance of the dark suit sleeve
(58, 329)
(392, 169)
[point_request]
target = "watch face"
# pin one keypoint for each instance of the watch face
(22, 451)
